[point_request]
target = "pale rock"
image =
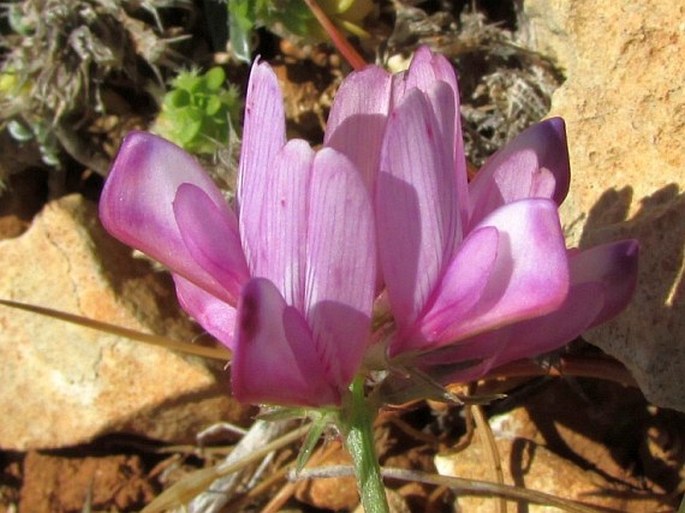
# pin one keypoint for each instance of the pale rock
(64, 384)
(624, 105)
(534, 467)
(566, 442)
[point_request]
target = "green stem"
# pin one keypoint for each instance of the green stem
(358, 428)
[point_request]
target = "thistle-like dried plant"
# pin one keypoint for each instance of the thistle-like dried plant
(60, 57)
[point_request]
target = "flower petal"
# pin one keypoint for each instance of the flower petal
(274, 361)
(533, 165)
(416, 210)
(136, 203)
(525, 339)
(341, 265)
(357, 119)
(263, 137)
(210, 234)
(530, 276)
(279, 243)
(614, 266)
(602, 282)
(425, 70)
(459, 290)
(214, 315)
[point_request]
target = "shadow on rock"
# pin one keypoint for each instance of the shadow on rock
(649, 337)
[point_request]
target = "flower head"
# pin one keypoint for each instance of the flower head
(287, 280)
(479, 273)
(476, 274)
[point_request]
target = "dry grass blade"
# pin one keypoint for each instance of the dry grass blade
(464, 486)
(490, 489)
(488, 440)
(260, 433)
(197, 482)
(147, 338)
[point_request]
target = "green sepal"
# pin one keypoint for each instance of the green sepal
(319, 424)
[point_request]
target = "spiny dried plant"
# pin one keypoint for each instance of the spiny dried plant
(505, 85)
(60, 56)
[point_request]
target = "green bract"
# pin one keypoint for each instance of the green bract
(199, 111)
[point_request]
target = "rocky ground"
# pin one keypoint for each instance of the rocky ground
(95, 422)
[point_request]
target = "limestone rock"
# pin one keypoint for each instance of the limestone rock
(535, 467)
(64, 384)
(568, 441)
(624, 104)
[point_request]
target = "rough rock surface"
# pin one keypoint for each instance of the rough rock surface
(58, 485)
(567, 439)
(624, 104)
(64, 384)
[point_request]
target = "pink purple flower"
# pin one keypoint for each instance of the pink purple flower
(479, 273)
(476, 274)
(287, 281)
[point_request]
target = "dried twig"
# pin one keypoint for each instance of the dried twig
(461, 485)
(147, 338)
(200, 482)
(488, 441)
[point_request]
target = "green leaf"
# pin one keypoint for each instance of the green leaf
(215, 78)
(213, 106)
(177, 99)
(313, 436)
(298, 19)
(189, 131)
(242, 20)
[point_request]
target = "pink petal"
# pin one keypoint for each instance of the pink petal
(425, 70)
(602, 282)
(614, 266)
(210, 233)
(533, 165)
(214, 315)
(341, 265)
(530, 276)
(525, 339)
(274, 359)
(136, 203)
(458, 291)
(279, 241)
(263, 137)
(540, 335)
(357, 119)
(603, 279)
(418, 224)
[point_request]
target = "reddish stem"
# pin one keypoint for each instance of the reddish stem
(341, 43)
(598, 368)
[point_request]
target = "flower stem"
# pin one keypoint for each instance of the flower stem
(358, 429)
(341, 43)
